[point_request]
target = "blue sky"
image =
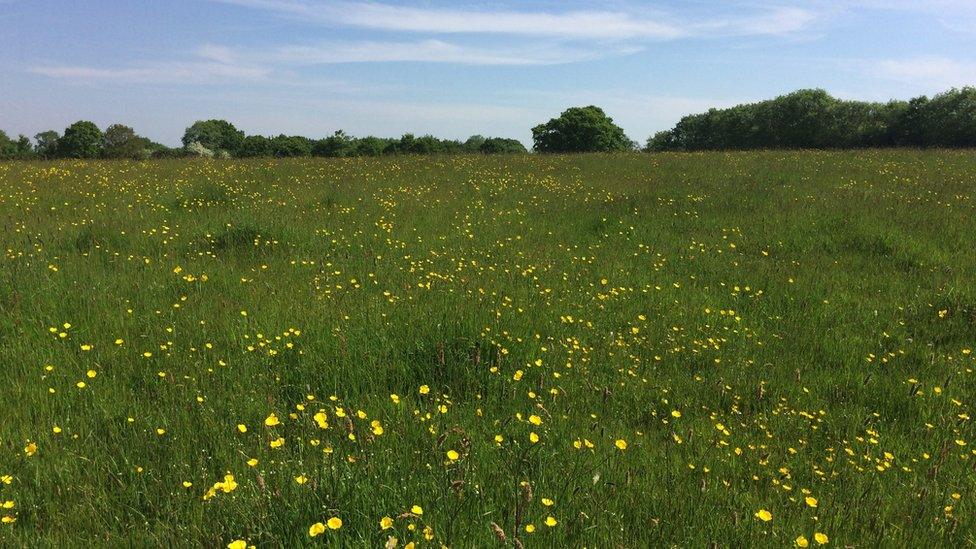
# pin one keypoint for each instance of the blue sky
(456, 68)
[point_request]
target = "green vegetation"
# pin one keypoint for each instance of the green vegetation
(812, 119)
(580, 129)
(722, 349)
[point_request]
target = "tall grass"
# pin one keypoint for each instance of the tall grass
(600, 351)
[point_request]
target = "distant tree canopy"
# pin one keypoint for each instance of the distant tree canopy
(82, 139)
(809, 119)
(120, 141)
(14, 149)
(812, 119)
(580, 129)
(216, 135)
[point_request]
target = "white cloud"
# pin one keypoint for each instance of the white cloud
(588, 24)
(430, 51)
(196, 72)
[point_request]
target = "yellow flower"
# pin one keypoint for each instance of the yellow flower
(535, 420)
(533, 437)
(316, 529)
(252, 462)
(811, 501)
(271, 420)
(621, 444)
(386, 523)
(278, 442)
(241, 428)
(30, 449)
(801, 541)
(335, 523)
(530, 528)
(764, 515)
(551, 521)
(91, 373)
(424, 389)
(417, 510)
(452, 455)
(675, 414)
(301, 479)
(237, 544)
(821, 538)
(321, 420)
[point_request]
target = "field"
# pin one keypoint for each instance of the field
(750, 349)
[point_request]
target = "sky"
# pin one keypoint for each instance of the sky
(457, 68)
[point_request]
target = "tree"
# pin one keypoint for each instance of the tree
(82, 139)
(474, 143)
(47, 144)
(337, 145)
(580, 129)
(285, 146)
(500, 145)
(120, 141)
(215, 135)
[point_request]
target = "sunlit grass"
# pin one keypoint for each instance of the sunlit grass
(753, 349)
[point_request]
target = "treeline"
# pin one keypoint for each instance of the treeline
(812, 119)
(219, 138)
(805, 119)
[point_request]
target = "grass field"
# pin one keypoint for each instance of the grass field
(750, 349)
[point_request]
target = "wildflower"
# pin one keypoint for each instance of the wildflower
(452, 455)
(30, 449)
(237, 544)
(802, 541)
(424, 389)
(821, 538)
(811, 501)
(386, 523)
(316, 529)
(334, 523)
(417, 510)
(621, 444)
(764, 515)
(551, 521)
(271, 420)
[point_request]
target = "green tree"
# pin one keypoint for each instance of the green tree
(336, 145)
(47, 144)
(120, 141)
(500, 145)
(82, 139)
(216, 135)
(580, 129)
(255, 146)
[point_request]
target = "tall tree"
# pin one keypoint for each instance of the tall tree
(47, 144)
(120, 141)
(216, 135)
(82, 139)
(580, 129)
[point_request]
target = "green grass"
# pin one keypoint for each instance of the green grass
(810, 315)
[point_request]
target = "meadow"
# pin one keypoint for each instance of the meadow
(769, 349)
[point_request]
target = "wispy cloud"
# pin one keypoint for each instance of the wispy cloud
(430, 51)
(588, 24)
(212, 64)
